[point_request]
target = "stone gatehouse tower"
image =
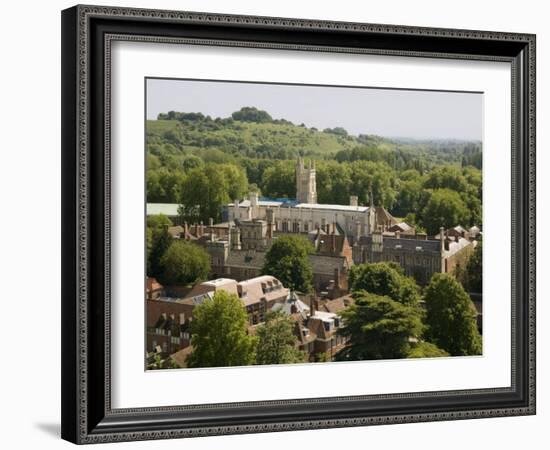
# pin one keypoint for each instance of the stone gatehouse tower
(306, 187)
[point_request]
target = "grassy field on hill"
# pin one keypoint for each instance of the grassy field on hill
(191, 156)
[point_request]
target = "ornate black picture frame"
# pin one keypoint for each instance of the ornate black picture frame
(87, 34)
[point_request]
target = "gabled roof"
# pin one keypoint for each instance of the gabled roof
(382, 215)
(455, 247)
(401, 226)
(180, 357)
(336, 305)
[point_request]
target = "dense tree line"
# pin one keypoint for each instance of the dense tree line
(203, 163)
(170, 261)
(220, 336)
(387, 320)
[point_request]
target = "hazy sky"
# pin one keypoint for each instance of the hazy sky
(384, 112)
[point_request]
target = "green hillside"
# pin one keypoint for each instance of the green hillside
(248, 139)
(191, 156)
(226, 139)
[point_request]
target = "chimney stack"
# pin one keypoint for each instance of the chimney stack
(235, 238)
(442, 239)
(236, 209)
(253, 197)
(353, 200)
(357, 230)
(337, 278)
(211, 228)
(311, 305)
(398, 234)
(270, 222)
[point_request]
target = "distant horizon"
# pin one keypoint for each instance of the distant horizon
(395, 114)
(394, 138)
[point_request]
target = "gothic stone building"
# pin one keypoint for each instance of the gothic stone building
(304, 214)
(241, 254)
(419, 256)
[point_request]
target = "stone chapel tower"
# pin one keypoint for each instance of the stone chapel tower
(306, 187)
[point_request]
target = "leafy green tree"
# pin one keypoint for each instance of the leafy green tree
(446, 177)
(183, 263)
(378, 327)
(474, 272)
(446, 209)
(192, 162)
(376, 177)
(287, 259)
(148, 246)
(276, 343)
(339, 131)
(219, 333)
(333, 182)
(473, 204)
(251, 114)
(207, 188)
(384, 279)
(425, 350)
(451, 317)
(155, 362)
(195, 194)
(280, 180)
(474, 178)
(235, 180)
(321, 357)
(411, 219)
(158, 221)
(159, 243)
(164, 184)
(408, 198)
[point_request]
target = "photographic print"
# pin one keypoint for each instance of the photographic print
(291, 223)
(292, 199)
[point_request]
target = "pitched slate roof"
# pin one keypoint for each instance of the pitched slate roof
(326, 264)
(405, 244)
(180, 357)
